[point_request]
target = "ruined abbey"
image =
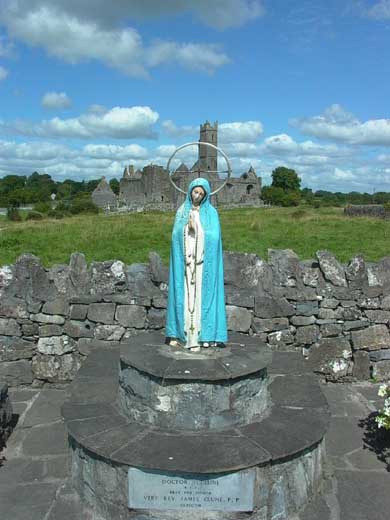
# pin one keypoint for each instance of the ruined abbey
(150, 188)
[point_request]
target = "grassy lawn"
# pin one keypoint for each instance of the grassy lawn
(131, 237)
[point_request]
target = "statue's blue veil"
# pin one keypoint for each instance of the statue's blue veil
(213, 315)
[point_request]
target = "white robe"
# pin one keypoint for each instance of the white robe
(194, 249)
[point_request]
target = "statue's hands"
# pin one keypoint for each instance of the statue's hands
(192, 224)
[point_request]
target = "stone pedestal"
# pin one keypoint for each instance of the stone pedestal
(235, 419)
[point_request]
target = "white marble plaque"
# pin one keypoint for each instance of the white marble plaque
(158, 490)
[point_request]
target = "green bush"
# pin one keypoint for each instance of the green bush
(42, 207)
(387, 206)
(34, 215)
(55, 213)
(81, 205)
(13, 214)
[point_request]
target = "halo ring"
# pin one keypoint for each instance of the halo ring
(197, 143)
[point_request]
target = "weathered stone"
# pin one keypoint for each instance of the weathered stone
(59, 275)
(159, 272)
(356, 271)
(279, 338)
(108, 277)
(383, 271)
(361, 365)
(56, 368)
(238, 318)
(332, 270)
(160, 302)
(47, 318)
(331, 329)
(29, 328)
(78, 311)
(372, 274)
(385, 304)
(369, 303)
(307, 308)
(34, 307)
(329, 303)
(331, 357)
(16, 373)
(268, 307)
(296, 294)
(13, 308)
(56, 345)
(378, 316)
(109, 332)
(285, 266)
(348, 314)
(375, 337)
(326, 314)
(16, 349)
(127, 298)
(381, 370)
(348, 303)
(79, 276)
(310, 274)
(373, 292)
(306, 335)
(355, 325)
(9, 327)
(140, 282)
(156, 318)
(84, 346)
(102, 313)
(269, 324)
(78, 329)
(379, 355)
(239, 297)
(57, 306)
(300, 321)
(6, 276)
(133, 316)
(50, 330)
(246, 270)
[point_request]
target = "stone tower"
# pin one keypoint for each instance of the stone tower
(208, 159)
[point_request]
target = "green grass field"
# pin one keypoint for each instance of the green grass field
(131, 237)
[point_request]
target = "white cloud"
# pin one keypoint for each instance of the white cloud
(172, 130)
(56, 100)
(339, 125)
(112, 151)
(343, 174)
(240, 132)
(3, 73)
(75, 36)
(118, 123)
(380, 10)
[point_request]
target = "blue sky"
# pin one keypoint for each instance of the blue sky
(87, 87)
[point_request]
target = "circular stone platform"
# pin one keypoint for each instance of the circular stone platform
(280, 446)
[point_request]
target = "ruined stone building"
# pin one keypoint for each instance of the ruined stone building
(150, 188)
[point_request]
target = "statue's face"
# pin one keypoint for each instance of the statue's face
(197, 195)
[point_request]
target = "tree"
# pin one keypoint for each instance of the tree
(285, 178)
(114, 185)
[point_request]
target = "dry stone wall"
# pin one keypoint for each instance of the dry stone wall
(336, 315)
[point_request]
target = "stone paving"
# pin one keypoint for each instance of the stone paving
(34, 481)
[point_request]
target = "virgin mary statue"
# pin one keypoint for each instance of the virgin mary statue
(196, 314)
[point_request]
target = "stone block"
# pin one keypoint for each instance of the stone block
(160, 302)
(13, 308)
(348, 314)
(102, 313)
(16, 349)
(29, 328)
(269, 324)
(285, 266)
(332, 270)
(56, 345)
(238, 318)
(369, 303)
(268, 307)
(361, 365)
(326, 314)
(307, 335)
(47, 318)
(300, 321)
(280, 338)
(108, 277)
(56, 368)
(239, 297)
(84, 346)
(50, 330)
(355, 325)
(9, 327)
(356, 271)
(310, 274)
(331, 329)
(78, 329)
(156, 318)
(329, 303)
(385, 305)
(376, 337)
(109, 332)
(132, 316)
(307, 308)
(331, 357)
(380, 355)
(378, 316)
(16, 373)
(246, 270)
(79, 276)
(58, 306)
(348, 303)
(159, 272)
(140, 282)
(381, 370)
(78, 311)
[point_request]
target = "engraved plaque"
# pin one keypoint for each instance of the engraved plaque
(158, 490)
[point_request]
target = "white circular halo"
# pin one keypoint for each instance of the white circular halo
(197, 143)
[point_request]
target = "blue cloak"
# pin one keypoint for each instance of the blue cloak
(213, 315)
